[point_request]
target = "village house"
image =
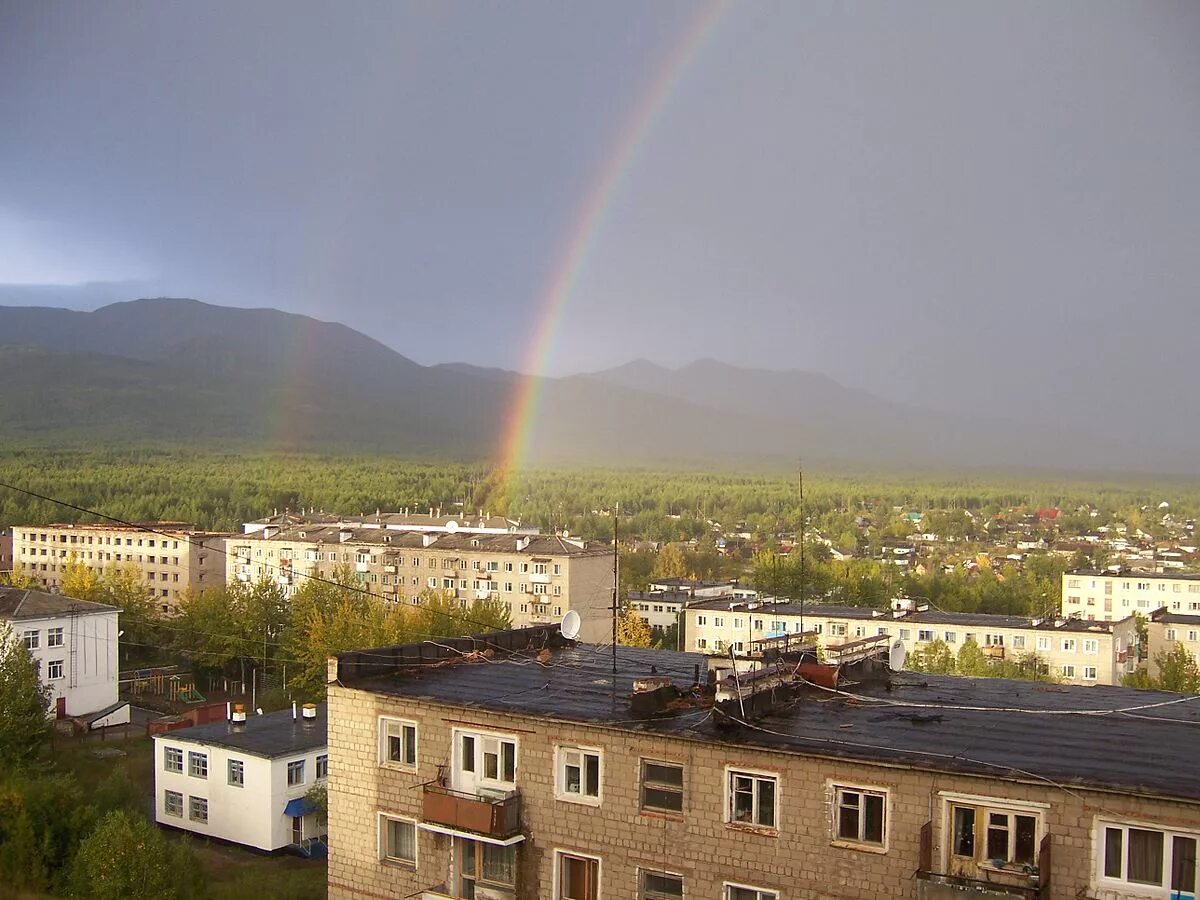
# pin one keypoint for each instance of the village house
(521, 765)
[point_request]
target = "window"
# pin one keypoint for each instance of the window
(951, 637)
(32, 640)
(741, 892)
(172, 759)
(994, 835)
(397, 743)
(1089, 673)
(198, 765)
(1043, 642)
(54, 637)
(660, 886)
(924, 635)
(54, 669)
(322, 766)
(173, 803)
(701, 620)
(1018, 642)
(1068, 671)
(397, 840)
(198, 809)
(577, 877)
(295, 772)
(859, 815)
(752, 798)
(482, 865)
(1149, 856)
(487, 757)
(578, 775)
(237, 773)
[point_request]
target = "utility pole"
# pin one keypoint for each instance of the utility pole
(803, 581)
(616, 575)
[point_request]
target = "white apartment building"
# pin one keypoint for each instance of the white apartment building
(245, 781)
(1111, 596)
(539, 577)
(74, 643)
(1165, 630)
(170, 556)
(1076, 651)
(403, 520)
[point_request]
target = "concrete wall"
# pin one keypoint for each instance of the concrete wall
(1115, 597)
(94, 638)
(799, 860)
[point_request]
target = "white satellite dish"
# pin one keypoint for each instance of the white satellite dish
(896, 656)
(569, 628)
(451, 526)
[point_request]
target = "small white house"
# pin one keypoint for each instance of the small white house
(244, 780)
(74, 643)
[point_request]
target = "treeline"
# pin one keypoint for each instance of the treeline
(220, 491)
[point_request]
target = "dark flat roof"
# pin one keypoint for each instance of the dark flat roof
(1127, 573)
(271, 735)
(1012, 729)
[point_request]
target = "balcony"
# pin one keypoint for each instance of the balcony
(498, 818)
(539, 578)
(994, 651)
(390, 569)
(988, 883)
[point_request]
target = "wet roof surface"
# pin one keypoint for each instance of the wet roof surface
(1065, 735)
(271, 735)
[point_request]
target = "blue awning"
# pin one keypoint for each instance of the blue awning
(299, 807)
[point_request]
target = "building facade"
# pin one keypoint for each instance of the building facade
(539, 577)
(1166, 630)
(499, 788)
(6, 550)
(1110, 596)
(245, 780)
(74, 644)
(1075, 651)
(170, 556)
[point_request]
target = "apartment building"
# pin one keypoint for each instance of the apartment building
(6, 550)
(74, 644)
(538, 773)
(1165, 630)
(244, 780)
(1076, 651)
(170, 556)
(539, 577)
(1111, 596)
(403, 520)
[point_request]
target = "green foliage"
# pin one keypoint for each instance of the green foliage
(24, 704)
(936, 658)
(1177, 670)
(971, 660)
(125, 856)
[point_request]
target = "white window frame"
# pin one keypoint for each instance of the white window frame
(381, 841)
(193, 757)
(559, 853)
(321, 770)
(386, 723)
(54, 637)
(728, 887)
(50, 670)
(985, 805)
(835, 790)
(191, 813)
(176, 811)
(570, 754)
(296, 765)
(177, 753)
(241, 772)
(480, 737)
(1105, 882)
(758, 775)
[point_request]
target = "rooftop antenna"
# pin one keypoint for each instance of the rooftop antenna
(616, 575)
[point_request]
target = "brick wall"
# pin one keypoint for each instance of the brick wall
(800, 860)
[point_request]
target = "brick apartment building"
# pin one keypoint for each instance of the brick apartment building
(170, 556)
(519, 765)
(540, 577)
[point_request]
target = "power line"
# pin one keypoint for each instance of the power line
(143, 527)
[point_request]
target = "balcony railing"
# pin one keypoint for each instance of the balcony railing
(498, 817)
(1000, 884)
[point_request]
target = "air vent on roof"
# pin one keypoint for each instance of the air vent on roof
(310, 711)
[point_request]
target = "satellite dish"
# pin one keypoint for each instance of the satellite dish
(570, 625)
(896, 656)
(451, 526)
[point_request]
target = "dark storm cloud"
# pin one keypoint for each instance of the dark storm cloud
(983, 207)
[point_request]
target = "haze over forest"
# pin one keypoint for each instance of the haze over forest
(955, 234)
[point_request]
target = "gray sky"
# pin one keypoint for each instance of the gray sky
(961, 205)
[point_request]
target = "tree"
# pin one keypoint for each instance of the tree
(936, 658)
(670, 562)
(18, 580)
(632, 630)
(1178, 670)
(24, 703)
(125, 856)
(971, 660)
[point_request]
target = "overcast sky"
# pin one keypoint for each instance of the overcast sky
(956, 204)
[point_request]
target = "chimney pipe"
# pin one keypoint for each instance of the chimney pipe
(228, 711)
(293, 710)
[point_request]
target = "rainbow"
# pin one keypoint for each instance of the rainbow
(588, 223)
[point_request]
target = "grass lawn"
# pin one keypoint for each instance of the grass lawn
(234, 872)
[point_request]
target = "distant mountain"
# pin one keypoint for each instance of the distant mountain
(169, 370)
